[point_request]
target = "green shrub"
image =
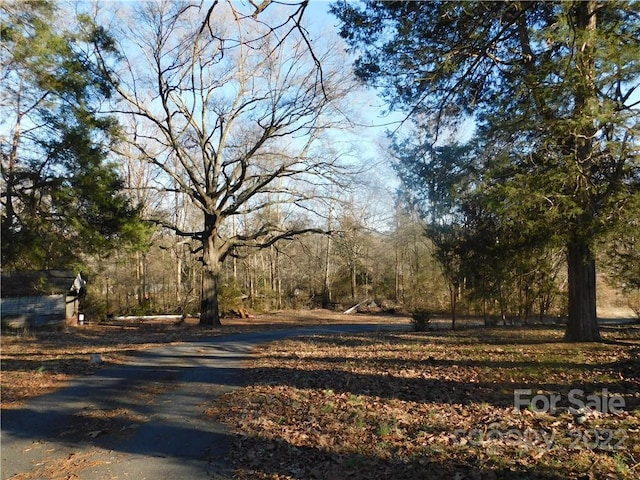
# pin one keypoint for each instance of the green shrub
(229, 298)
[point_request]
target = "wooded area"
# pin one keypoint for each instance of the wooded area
(200, 158)
(197, 196)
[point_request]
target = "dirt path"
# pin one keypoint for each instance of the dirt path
(143, 420)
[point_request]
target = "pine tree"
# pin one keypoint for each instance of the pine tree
(61, 196)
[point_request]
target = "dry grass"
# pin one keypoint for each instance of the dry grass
(436, 405)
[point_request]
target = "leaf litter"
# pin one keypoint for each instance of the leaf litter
(39, 361)
(403, 405)
(435, 405)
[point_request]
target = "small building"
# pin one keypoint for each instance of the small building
(37, 298)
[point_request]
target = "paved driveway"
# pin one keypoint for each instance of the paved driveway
(143, 420)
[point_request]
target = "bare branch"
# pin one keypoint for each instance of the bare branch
(229, 115)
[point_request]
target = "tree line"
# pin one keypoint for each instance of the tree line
(194, 153)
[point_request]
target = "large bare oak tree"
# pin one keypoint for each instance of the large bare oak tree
(230, 108)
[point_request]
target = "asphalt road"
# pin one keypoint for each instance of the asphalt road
(143, 420)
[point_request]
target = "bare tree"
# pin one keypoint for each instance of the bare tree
(230, 112)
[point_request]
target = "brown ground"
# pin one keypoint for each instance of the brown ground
(437, 404)
(34, 362)
(393, 405)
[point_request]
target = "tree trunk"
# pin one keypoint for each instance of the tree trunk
(211, 267)
(326, 287)
(179, 278)
(352, 270)
(278, 279)
(583, 322)
(141, 280)
(453, 297)
(209, 312)
(9, 210)
(397, 274)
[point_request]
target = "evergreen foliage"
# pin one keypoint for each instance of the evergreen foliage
(62, 197)
(551, 88)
